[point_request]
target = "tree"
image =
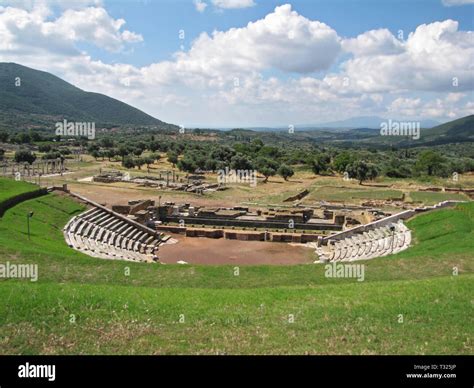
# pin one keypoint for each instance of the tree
(270, 152)
(35, 136)
(128, 163)
(398, 172)
(172, 158)
(211, 165)
(123, 152)
(92, 148)
(149, 160)
(362, 171)
(267, 167)
(187, 164)
(141, 145)
(342, 160)
(137, 151)
(257, 144)
(430, 162)
(267, 172)
(24, 156)
(320, 163)
(223, 154)
(3, 137)
(2, 154)
(111, 153)
(285, 172)
(156, 157)
(53, 154)
(44, 148)
(95, 154)
(241, 162)
(106, 142)
(139, 162)
(23, 138)
(154, 146)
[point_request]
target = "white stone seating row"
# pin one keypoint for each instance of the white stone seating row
(101, 234)
(374, 243)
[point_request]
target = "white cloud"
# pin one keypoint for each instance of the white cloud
(374, 42)
(233, 4)
(48, 4)
(282, 40)
(200, 5)
(22, 30)
(429, 60)
(450, 3)
(378, 74)
(94, 25)
(438, 108)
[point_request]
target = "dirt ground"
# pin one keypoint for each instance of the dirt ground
(113, 195)
(195, 250)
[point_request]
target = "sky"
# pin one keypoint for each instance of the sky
(247, 63)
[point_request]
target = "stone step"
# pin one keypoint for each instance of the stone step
(90, 214)
(145, 237)
(123, 228)
(115, 224)
(101, 233)
(74, 227)
(129, 231)
(105, 220)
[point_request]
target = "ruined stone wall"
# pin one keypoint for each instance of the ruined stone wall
(251, 223)
(297, 196)
(122, 209)
(240, 235)
(208, 233)
(143, 205)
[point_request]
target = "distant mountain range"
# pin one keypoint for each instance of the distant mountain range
(43, 99)
(32, 98)
(369, 122)
(362, 122)
(456, 131)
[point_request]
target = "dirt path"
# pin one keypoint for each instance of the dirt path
(221, 251)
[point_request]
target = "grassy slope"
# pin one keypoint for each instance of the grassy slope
(430, 198)
(9, 189)
(224, 313)
(50, 97)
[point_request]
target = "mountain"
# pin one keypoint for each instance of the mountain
(461, 128)
(42, 99)
(362, 122)
(367, 122)
(456, 131)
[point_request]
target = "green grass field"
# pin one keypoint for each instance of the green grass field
(430, 198)
(337, 194)
(82, 305)
(8, 190)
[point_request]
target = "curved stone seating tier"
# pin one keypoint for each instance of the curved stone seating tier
(103, 234)
(374, 243)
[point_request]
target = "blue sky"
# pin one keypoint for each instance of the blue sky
(296, 62)
(160, 20)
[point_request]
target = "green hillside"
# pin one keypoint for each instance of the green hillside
(9, 189)
(86, 305)
(456, 131)
(461, 129)
(43, 99)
